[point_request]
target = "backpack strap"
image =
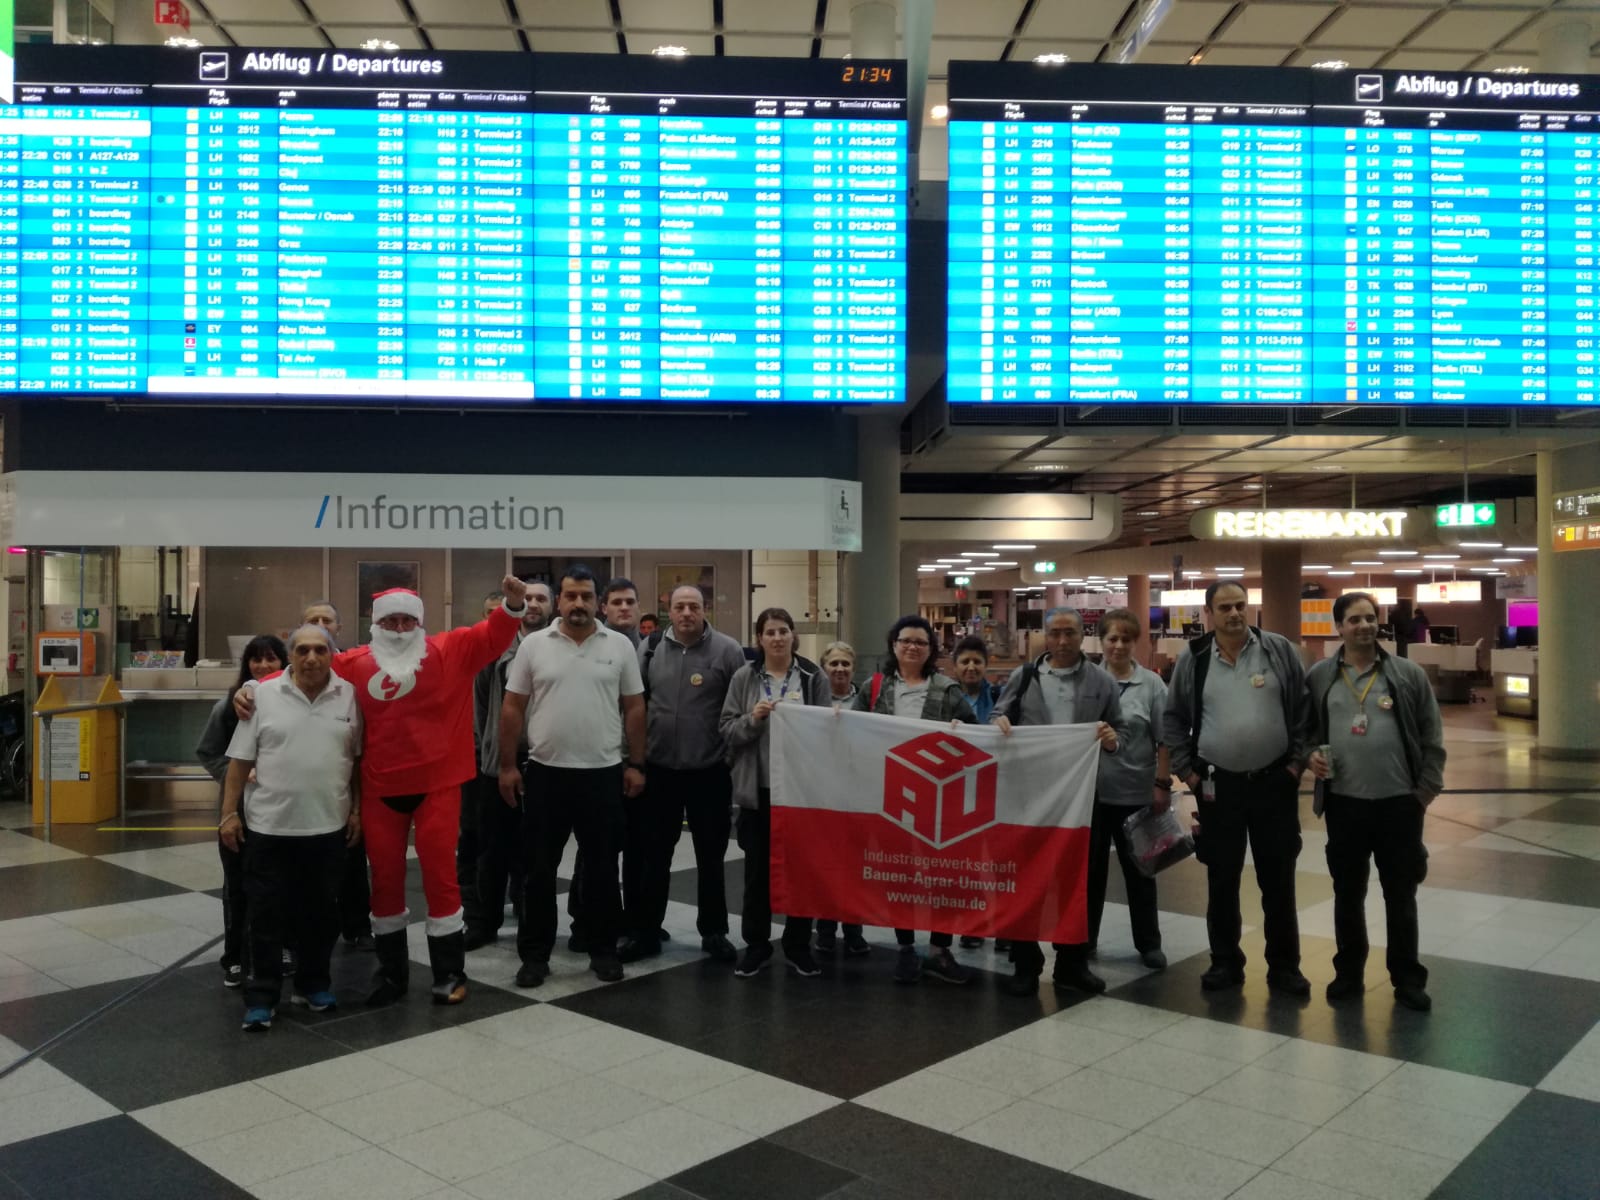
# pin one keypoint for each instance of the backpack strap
(1030, 672)
(650, 645)
(876, 691)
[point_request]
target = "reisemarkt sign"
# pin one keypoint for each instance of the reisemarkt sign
(555, 512)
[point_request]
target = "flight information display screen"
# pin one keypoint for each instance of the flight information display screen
(489, 227)
(1156, 235)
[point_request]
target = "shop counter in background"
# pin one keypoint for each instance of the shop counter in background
(167, 712)
(1450, 669)
(1516, 682)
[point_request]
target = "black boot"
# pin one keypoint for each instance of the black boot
(448, 956)
(394, 969)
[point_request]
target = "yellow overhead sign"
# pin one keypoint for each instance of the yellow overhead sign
(1298, 524)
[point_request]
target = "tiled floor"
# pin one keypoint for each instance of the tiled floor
(683, 1082)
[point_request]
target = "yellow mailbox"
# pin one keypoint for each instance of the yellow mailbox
(83, 754)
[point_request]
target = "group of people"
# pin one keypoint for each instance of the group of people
(555, 719)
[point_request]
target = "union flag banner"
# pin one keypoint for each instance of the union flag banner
(912, 825)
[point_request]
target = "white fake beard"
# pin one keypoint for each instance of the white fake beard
(399, 655)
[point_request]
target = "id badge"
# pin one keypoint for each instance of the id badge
(1359, 725)
(1208, 789)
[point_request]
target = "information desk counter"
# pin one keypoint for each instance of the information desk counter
(1450, 669)
(167, 712)
(1516, 682)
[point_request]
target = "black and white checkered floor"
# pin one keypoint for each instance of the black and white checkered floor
(682, 1081)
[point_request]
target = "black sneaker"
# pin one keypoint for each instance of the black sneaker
(941, 964)
(1002, 945)
(607, 968)
(856, 945)
(1155, 959)
(1220, 978)
(1345, 987)
(719, 947)
(970, 943)
(802, 964)
(632, 949)
(532, 974)
(827, 942)
(1413, 997)
(232, 975)
(1078, 977)
(1022, 983)
(1290, 983)
(753, 961)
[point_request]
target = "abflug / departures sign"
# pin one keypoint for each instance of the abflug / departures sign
(1484, 87)
(279, 62)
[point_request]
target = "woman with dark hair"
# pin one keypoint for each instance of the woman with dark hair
(263, 655)
(910, 686)
(754, 691)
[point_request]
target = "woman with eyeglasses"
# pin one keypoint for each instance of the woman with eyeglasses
(911, 686)
(778, 677)
(839, 665)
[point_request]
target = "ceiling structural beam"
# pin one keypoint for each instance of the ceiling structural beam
(918, 40)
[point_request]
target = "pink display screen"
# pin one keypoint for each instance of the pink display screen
(1522, 612)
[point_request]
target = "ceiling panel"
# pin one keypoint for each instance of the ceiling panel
(358, 12)
(1354, 55)
(350, 37)
(276, 35)
(565, 14)
(1430, 60)
(763, 16)
(1192, 20)
(1075, 20)
(1027, 48)
(767, 45)
(1383, 26)
(1475, 30)
(986, 18)
(462, 12)
(942, 50)
(1226, 55)
(1212, 441)
(256, 11)
(1169, 53)
(474, 38)
(666, 14)
(1276, 24)
(1528, 39)
(643, 41)
(574, 41)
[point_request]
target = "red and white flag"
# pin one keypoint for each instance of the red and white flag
(912, 825)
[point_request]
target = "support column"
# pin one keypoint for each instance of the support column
(1564, 47)
(1139, 605)
(1280, 589)
(873, 579)
(1569, 695)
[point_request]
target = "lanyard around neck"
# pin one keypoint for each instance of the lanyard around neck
(1361, 696)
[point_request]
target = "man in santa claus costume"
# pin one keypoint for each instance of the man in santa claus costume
(415, 693)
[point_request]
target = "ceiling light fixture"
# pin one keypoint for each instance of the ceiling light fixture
(1015, 546)
(1366, 562)
(1405, 571)
(1340, 574)
(939, 112)
(671, 52)
(1002, 564)
(383, 44)
(1479, 545)
(1314, 567)
(980, 554)
(1330, 64)
(1440, 557)
(1522, 549)
(1159, 575)
(1051, 60)
(1507, 560)
(1046, 467)
(1509, 71)
(183, 43)
(1149, 512)
(1397, 553)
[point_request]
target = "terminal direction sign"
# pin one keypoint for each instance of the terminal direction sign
(1577, 520)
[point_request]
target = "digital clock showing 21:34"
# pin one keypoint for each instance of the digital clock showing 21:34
(866, 74)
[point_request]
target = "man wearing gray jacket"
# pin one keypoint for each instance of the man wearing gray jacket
(1378, 716)
(1061, 688)
(686, 670)
(1238, 729)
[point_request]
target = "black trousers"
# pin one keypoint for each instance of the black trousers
(755, 839)
(1105, 832)
(468, 848)
(235, 925)
(558, 803)
(908, 937)
(498, 859)
(655, 821)
(293, 888)
(355, 894)
(1388, 832)
(830, 925)
(1263, 810)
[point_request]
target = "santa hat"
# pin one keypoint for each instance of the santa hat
(396, 602)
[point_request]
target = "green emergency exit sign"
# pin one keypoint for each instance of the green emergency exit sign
(1464, 516)
(1045, 567)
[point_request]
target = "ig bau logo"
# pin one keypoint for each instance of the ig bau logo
(940, 788)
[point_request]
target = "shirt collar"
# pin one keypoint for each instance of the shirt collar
(1065, 672)
(1250, 639)
(705, 632)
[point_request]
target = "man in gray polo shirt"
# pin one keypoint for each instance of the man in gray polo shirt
(1238, 728)
(293, 820)
(686, 670)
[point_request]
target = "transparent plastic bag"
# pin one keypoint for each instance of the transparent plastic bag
(1157, 839)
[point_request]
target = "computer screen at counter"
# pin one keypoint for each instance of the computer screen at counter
(1161, 235)
(470, 227)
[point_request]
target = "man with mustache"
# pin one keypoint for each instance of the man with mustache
(415, 694)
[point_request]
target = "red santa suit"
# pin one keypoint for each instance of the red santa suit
(417, 752)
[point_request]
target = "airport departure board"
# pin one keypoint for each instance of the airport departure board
(482, 227)
(1154, 235)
